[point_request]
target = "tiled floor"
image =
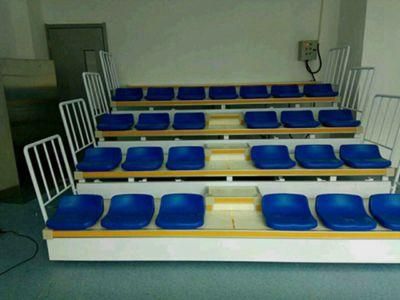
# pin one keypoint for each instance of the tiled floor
(42, 279)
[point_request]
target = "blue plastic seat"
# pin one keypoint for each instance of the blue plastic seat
(76, 212)
(319, 90)
(337, 118)
(128, 94)
(186, 158)
(160, 93)
(286, 91)
(143, 159)
(181, 211)
(130, 211)
(287, 212)
(191, 93)
(153, 121)
(298, 119)
(222, 92)
(271, 157)
(343, 212)
(317, 157)
(261, 119)
(189, 121)
(100, 159)
(254, 92)
(363, 156)
(385, 208)
(114, 122)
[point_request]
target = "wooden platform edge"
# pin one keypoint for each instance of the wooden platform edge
(209, 102)
(240, 173)
(236, 131)
(199, 233)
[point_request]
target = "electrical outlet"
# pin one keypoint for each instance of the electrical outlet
(308, 50)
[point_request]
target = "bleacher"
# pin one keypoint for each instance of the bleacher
(225, 184)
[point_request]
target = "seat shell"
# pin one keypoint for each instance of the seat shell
(77, 212)
(337, 118)
(181, 211)
(317, 157)
(319, 90)
(271, 157)
(254, 92)
(195, 120)
(186, 158)
(160, 93)
(298, 119)
(286, 91)
(100, 159)
(363, 156)
(261, 119)
(385, 208)
(191, 93)
(343, 212)
(128, 94)
(287, 212)
(143, 159)
(129, 211)
(115, 122)
(153, 121)
(222, 92)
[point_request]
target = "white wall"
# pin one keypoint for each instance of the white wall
(351, 28)
(8, 168)
(382, 44)
(22, 33)
(198, 41)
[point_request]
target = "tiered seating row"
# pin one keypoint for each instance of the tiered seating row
(150, 161)
(252, 119)
(339, 212)
(224, 92)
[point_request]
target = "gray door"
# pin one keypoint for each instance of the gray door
(74, 49)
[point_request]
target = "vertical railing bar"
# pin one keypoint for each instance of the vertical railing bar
(51, 167)
(58, 163)
(334, 67)
(41, 171)
(387, 104)
(328, 68)
(67, 168)
(76, 145)
(346, 59)
(370, 116)
(357, 91)
(90, 98)
(378, 113)
(345, 93)
(35, 183)
(102, 98)
(79, 104)
(78, 124)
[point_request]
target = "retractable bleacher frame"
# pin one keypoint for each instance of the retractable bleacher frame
(337, 61)
(210, 243)
(355, 95)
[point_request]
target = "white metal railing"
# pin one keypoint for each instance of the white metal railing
(109, 72)
(336, 65)
(356, 91)
(77, 125)
(49, 170)
(383, 124)
(98, 103)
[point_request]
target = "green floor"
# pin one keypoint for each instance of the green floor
(42, 279)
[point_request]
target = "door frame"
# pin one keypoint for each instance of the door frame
(102, 26)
